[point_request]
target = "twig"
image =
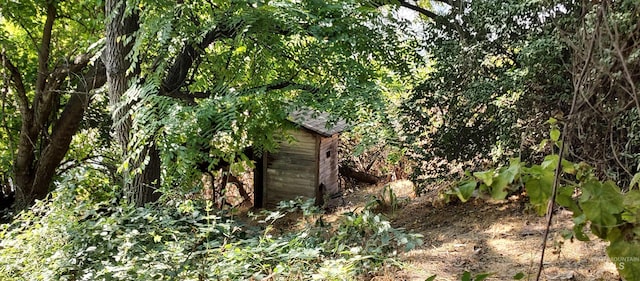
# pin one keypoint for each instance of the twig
(577, 85)
(553, 200)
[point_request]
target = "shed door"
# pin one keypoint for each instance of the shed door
(328, 168)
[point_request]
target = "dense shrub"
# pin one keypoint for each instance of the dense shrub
(74, 237)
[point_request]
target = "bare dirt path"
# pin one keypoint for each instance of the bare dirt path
(503, 238)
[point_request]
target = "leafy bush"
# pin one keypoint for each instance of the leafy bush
(492, 80)
(612, 215)
(71, 237)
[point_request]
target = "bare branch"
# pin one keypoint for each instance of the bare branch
(420, 10)
(615, 40)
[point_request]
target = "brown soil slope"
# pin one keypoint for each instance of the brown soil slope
(503, 238)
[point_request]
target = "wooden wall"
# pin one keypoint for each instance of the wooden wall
(328, 165)
(292, 171)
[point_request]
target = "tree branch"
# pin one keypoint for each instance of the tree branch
(420, 10)
(177, 73)
(441, 20)
(190, 97)
(42, 102)
(61, 72)
(18, 84)
(44, 51)
(282, 85)
(65, 128)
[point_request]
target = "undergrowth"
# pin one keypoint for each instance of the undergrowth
(74, 237)
(612, 213)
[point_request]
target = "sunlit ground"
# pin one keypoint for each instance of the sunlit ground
(500, 238)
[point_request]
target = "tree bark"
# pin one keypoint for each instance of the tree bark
(63, 131)
(40, 152)
(139, 187)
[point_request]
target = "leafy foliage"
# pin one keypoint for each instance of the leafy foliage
(48, 74)
(74, 237)
(611, 214)
(253, 64)
(501, 69)
(603, 40)
(493, 77)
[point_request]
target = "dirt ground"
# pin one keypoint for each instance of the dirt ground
(502, 238)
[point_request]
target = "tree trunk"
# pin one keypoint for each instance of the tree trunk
(142, 189)
(359, 176)
(40, 152)
(63, 131)
(139, 188)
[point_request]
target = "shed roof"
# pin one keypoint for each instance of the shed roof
(318, 122)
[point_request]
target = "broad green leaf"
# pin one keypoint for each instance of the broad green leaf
(626, 257)
(565, 199)
(508, 175)
(499, 192)
(485, 176)
(554, 134)
(539, 188)
(505, 177)
(632, 206)
(550, 162)
(519, 276)
(569, 167)
(431, 278)
(601, 203)
(466, 276)
(466, 189)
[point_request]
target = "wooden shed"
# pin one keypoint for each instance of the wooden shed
(307, 167)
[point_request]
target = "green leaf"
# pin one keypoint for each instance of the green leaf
(482, 276)
(565, 199)
(632, 207)
(431, 278)
(569, 167)
(498, 191)
(485, 176)
(601, 202)
(539, 188)
(626, 257)
(518, 276)
(554, 134)
(504, 178)
(578, 226)
(550, 162)
(466, 276)
(466, 189)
